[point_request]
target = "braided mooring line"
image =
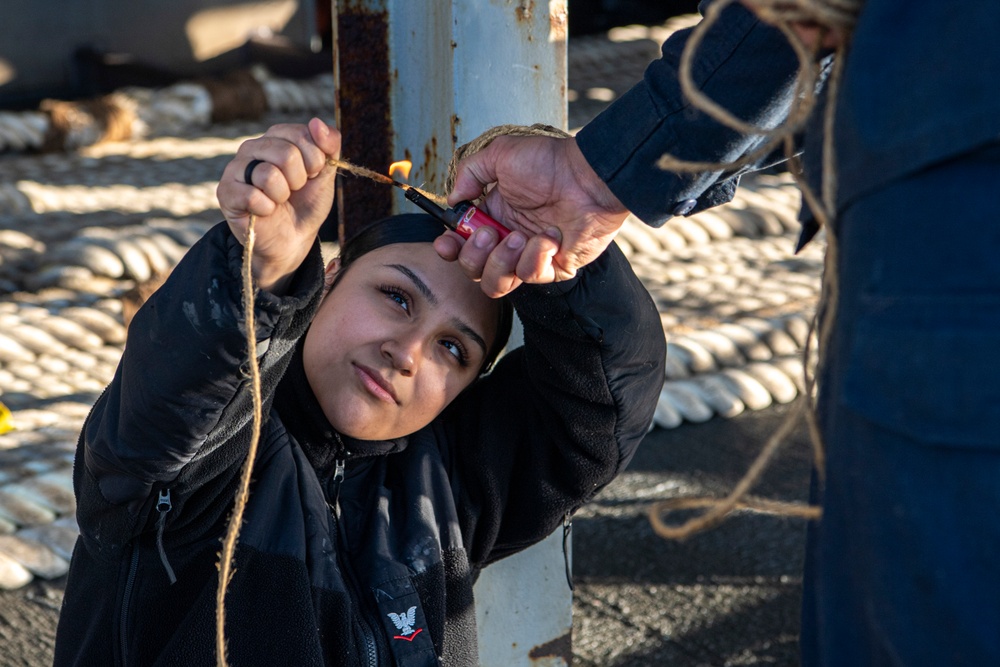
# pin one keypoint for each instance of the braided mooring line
(720, 508)
(834, 15)
(135, 112)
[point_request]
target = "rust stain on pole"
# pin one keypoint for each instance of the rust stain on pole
(363, 67)
(431, 157)
(524, 10)
(558, 22)
(560, 647)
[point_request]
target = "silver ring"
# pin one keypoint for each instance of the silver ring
(248, 172)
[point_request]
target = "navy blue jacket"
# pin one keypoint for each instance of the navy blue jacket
(920, 85)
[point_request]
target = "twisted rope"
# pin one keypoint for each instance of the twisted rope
(830, 15)
(487, 137)
(364, 172)
(243, 493)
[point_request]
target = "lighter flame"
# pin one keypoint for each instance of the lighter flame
(403, 166)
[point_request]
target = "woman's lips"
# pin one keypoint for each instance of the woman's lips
(376, 384)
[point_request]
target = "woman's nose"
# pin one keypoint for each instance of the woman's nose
(403, 353)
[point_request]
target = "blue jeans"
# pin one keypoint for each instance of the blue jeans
(904, 567)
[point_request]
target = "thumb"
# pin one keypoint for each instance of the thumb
(325, 137)
(473, 174)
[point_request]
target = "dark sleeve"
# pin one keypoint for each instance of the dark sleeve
(561, 416)
(744, 65)
(180, 390)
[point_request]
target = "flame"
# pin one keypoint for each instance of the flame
(403, 166)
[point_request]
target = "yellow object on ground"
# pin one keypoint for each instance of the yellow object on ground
(6, 419)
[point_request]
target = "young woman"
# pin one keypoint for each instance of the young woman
(392, 467)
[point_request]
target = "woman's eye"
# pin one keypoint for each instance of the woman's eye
(455, 348)
(397, 295)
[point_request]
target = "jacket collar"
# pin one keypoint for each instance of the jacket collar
(303, 417)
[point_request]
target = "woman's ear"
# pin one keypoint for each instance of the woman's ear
(330, 274)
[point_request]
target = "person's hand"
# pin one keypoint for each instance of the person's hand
(815, 36)
(290, 193)
(561, 214)
(818, 38)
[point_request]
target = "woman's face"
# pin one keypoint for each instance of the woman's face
(396, 340)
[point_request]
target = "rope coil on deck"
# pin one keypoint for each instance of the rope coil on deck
(133, 113)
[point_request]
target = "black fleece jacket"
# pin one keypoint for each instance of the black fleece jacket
(351, 553)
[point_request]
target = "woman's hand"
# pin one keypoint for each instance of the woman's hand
(291, 193)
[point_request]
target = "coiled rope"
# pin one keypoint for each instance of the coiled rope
(839, 17)
(135, 112)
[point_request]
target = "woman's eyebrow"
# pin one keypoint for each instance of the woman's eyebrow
(417, 282)
(470, 332)
(424, 289)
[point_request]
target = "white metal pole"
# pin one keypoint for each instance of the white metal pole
(458, 69)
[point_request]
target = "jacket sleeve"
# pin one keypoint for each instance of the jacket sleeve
(561, 416)
(180, 392)
(744, 65)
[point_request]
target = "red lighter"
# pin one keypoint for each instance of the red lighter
(463, 219)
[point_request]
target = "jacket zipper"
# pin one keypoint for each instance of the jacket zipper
(126, 599)
(163, 506)
(567, 529)
(367, 634)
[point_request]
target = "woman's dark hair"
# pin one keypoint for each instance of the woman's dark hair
(416, 228)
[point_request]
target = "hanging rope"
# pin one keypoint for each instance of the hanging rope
(837, 16)
(243, 494)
